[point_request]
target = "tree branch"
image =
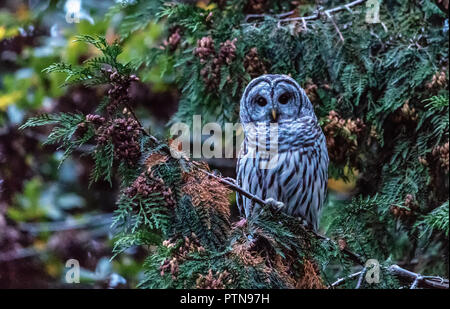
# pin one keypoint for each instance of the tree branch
(342, 280)
(419, 280)
(432, 282)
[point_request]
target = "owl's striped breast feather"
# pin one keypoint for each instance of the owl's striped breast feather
(298, 178)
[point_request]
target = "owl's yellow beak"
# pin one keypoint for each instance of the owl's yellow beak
(274, 114)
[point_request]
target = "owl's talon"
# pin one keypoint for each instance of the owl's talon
(278, 206)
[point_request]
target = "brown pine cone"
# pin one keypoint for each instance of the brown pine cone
(342, 137)
(311, 91)
(95, 119)
(442, 154)
(124, 133)
(256, 6)
(205, 48)
(227, 51)
(173, 41)
(211, 281)
(253, 64)
(438, 81)
(146, 184)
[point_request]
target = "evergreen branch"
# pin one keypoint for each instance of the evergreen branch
(232, 184)
(43, 119)
(438, 219)
(317, 15)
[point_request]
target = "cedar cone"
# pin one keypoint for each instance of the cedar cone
(405, 114)
(438, 81)
(190, 245)
(124, 133)
(212, 63)
(227, 52)
(253, 64)
(173, 41)
(171, 266)
(442, 154)
(405, 211)
(342, 137)
(211, 281)
(256, 6)
(205, 48)
(311, 91)
(118, 93)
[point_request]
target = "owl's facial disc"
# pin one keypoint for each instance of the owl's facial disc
(272, 102)
(259, 102)
(287, 100)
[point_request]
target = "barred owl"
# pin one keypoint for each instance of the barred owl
(284, 156)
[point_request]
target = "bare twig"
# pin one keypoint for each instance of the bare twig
(342, 280)
(416, 282)
(19, 254)
(327, 12)
(335, 25)
(304, 19)
(360, 279)
(419, 280)
(75, 224)
(282, 15)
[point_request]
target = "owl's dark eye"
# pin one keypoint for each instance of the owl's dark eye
(261, 101)
(284, 98)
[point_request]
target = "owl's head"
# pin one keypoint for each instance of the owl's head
(274, 98)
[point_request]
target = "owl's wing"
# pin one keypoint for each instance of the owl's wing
(244, 170)
(250, 178)
(239, 197)
(304, 181)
